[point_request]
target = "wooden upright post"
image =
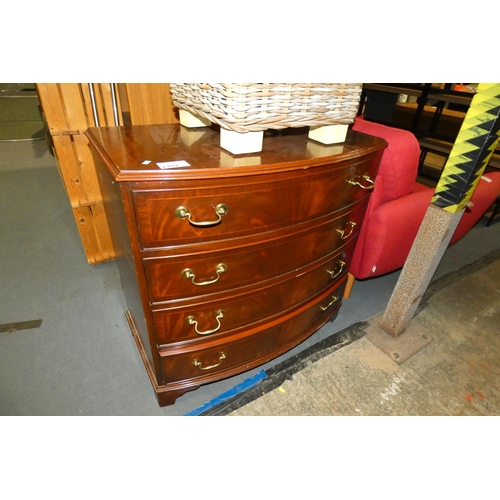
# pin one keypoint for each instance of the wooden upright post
(470, 154)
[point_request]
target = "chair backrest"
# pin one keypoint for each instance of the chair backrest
(399, 165)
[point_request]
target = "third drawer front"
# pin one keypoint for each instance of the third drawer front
(172, 277)
(227, 315)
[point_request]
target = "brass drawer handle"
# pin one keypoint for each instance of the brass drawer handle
(354, 182)
(343, 235)
(324, 308)
(189, 274)
(333, 274)
(192, 321)
(220, 211)
(198, 363)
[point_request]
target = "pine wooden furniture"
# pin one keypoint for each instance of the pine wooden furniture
(69, 109)
(228, 261)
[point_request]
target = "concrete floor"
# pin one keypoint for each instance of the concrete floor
(454, 371)
(20, 116)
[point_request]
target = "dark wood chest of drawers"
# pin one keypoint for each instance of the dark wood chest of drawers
(228, 261)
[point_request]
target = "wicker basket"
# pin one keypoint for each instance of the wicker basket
(252, 107)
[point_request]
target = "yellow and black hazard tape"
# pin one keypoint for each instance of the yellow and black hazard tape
(474, 145)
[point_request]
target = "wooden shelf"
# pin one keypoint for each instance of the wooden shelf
(433, 123)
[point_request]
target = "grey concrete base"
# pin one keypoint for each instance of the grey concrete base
(400, 348)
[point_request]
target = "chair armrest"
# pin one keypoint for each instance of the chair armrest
(388, 233)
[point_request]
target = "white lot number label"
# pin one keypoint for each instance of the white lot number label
(173, 164)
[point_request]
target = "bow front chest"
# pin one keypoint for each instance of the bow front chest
(228, 261)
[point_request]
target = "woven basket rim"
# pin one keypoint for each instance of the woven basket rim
(259, 106)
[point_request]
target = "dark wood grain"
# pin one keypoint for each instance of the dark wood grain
(124, 149)
(252, 347)
(271, 255)
(259, 206)
(249, 305)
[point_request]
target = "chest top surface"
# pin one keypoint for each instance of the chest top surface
(163, 152)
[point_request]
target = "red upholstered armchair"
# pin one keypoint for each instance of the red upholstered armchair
(398, 204)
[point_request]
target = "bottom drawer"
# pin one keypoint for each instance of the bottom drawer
(244, 351)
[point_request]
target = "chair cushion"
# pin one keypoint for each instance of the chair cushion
(388, 233)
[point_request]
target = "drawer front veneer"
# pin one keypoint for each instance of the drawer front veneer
(196, 322)
(241, 352)
(250, 263)
(173, 217)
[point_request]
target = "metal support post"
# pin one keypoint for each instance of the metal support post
(475, 143)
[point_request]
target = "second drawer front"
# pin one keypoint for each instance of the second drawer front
(172, 277)
(225, 316)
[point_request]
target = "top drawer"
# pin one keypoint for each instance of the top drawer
(171, 216)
